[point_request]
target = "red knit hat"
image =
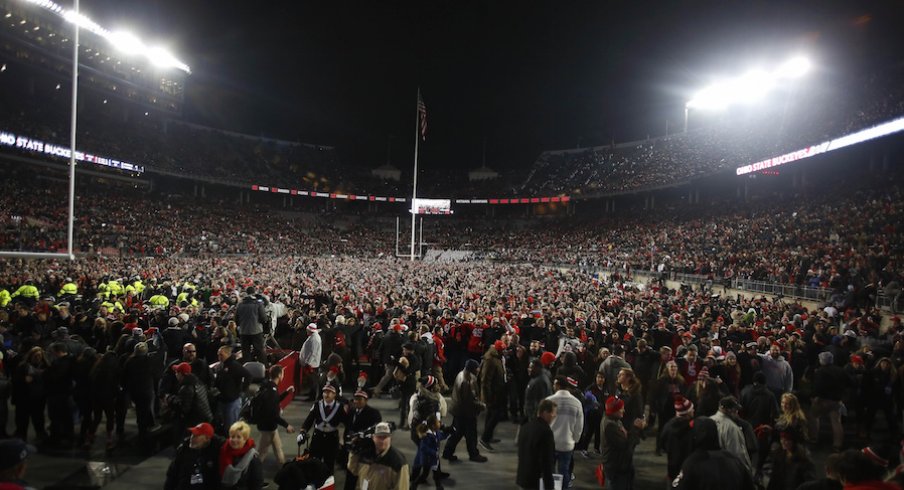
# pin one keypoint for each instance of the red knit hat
(547, 358)
(682, 405)
(499, 345)
(613, 405)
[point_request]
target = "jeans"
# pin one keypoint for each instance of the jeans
(464, 427)
(563, 466)
(229, 412)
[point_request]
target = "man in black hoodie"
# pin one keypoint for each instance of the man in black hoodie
(709, 467)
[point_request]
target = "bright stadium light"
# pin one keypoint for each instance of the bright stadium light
(121, 40)
(794, 68)
(748, 88)
(162, 58)
(127, 42)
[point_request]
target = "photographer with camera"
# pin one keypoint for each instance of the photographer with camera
(380, 467)
(359, 418)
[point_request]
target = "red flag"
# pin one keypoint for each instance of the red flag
(422, 115)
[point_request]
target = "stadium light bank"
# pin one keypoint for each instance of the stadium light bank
(125, 42)
(750, 87)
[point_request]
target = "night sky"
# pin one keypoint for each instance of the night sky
(524, 76)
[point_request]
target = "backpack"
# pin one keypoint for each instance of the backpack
(423, 408)
(251, 409)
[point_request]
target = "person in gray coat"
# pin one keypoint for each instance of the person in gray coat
(250, 317)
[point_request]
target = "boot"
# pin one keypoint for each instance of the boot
(437, 479)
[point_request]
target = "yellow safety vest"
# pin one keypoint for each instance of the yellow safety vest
(27, 291)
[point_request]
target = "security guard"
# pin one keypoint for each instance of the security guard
(68, 289)
(159, 300)
(5, 298)
(28, 292)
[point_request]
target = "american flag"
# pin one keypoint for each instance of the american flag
(422, 115)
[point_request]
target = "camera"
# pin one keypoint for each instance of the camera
(361, 442)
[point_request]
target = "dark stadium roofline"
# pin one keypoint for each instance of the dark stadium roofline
(626, 144)
(252, 137)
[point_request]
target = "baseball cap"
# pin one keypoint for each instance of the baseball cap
(182, 368)
(202, 429)
(382, 429)
(14, 452)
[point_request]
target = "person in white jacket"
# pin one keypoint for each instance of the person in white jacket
(309, 358)
(567, 426)
(731, 435)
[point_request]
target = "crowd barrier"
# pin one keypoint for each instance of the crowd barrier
(288, 360)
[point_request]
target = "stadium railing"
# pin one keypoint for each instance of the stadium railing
(787, 290)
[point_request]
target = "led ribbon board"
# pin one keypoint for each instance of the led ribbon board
(874, 132)
(38, 146)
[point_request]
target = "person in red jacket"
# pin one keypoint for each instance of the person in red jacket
(439, 359)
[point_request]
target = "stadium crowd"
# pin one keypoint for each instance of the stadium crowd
(845, 238)
(99, 337)
(812, 116)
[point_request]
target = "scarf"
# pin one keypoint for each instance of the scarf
(229, 455)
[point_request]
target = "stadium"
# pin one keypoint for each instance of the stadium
(277, 212)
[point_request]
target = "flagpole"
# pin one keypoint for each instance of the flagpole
(417, 123)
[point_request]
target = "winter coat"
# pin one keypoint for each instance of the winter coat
(232, 379)
(250, 316)
(492, 378)
(536, 454)
(676, 440)
(194, 407)
(269, 414)
(188, 462)
(465, 403)
(618, 445)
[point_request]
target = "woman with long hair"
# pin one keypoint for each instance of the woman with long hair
(628, 388)
(791, 420)
(731, 374)
(669, 384)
